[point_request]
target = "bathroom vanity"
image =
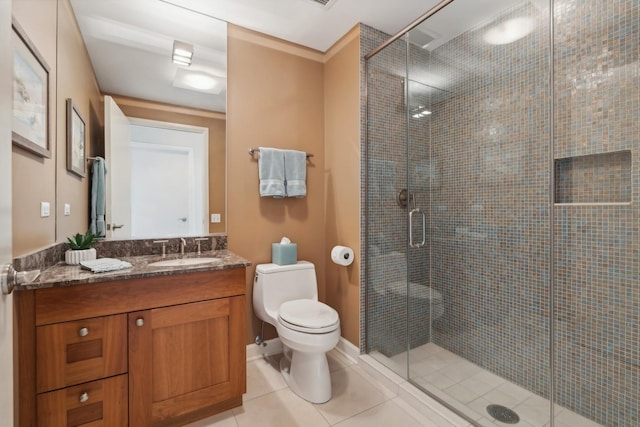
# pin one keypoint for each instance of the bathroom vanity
(140, 347)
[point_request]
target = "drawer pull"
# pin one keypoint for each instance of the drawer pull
(84, 397)
(83, 332)
(139, 321)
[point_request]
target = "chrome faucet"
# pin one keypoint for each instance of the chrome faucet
(183, 243)
(198, 243)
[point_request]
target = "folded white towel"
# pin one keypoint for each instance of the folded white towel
(271, 172)
(295, 173)
(102, 265)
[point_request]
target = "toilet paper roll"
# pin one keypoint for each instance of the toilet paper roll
(342, 255)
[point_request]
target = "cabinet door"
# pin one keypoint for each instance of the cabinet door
(97, 404)
(185, 358)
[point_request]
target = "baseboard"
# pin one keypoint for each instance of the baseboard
(348, 350)
(254, 351)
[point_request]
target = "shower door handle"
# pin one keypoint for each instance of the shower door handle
(424, 228)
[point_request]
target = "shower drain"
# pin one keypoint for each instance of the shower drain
(503, 414)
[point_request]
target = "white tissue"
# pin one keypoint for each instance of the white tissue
(342, 255)
(285, 241)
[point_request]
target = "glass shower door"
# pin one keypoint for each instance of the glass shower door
(478, 155)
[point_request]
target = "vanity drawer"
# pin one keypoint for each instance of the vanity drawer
(97, 403)
(75, 352)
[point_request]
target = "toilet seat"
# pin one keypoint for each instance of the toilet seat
(309, 316)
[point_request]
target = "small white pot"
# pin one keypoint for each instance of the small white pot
(75, 257)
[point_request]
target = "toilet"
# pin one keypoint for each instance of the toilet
(286, 296)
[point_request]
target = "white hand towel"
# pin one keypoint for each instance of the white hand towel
(295, 173)
(271, 172)
(103, 265)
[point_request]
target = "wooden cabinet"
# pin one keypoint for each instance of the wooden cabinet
(143, 352)
(181, 358)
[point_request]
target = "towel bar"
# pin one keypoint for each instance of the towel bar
(252, 151)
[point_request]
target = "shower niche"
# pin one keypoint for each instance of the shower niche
(603, 178)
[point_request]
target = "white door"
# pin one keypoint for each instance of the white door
(6, 301)
(160, 191)
(170, 175)
(118, 179)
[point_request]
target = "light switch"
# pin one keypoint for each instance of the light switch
(45, 209)
(67, 209)
(215, 218)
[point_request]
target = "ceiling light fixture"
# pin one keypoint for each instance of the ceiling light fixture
(510, 31)
(419, 112)
(182, 53)
(200, 81)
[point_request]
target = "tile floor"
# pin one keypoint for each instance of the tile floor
(358, 400)
(470, 389)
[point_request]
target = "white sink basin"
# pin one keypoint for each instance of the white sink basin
(183, 262)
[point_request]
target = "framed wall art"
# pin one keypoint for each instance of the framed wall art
(76, 137)
(30, 126)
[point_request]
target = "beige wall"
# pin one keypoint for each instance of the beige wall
(276, 100)
(76, 81)
(215, 122)
(342, 178)
(36, 179)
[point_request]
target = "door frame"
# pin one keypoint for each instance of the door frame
(6, 301)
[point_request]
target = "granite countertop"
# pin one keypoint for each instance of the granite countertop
(62, 274)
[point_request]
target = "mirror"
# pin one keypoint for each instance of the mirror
(131, 46)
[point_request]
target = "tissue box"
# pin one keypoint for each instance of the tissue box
(284, 254)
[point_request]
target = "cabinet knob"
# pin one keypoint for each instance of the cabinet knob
(84, 397)
(83, 332)
(139, 321)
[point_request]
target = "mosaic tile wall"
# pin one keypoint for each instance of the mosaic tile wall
(489, 205)
(486, 158)
(597, 248)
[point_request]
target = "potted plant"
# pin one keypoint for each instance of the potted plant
(80, 248)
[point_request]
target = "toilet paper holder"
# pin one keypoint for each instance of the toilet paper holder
(342, 255)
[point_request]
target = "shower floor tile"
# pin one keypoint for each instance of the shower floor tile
(469, 388)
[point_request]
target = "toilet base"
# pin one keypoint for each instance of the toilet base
(307, 375)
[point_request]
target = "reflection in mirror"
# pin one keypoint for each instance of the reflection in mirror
(131, 48)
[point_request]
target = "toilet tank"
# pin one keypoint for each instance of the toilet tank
(274, 284)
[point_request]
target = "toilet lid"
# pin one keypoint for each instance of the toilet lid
(308, 314)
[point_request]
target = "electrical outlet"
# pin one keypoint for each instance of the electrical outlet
(67, 209)
(215, 218)
(45, 209)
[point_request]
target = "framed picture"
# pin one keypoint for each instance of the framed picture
(76, 136)
(30, 126)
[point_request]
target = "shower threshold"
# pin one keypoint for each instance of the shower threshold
(470, 389)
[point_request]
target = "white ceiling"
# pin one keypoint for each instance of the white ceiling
(130, 41)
